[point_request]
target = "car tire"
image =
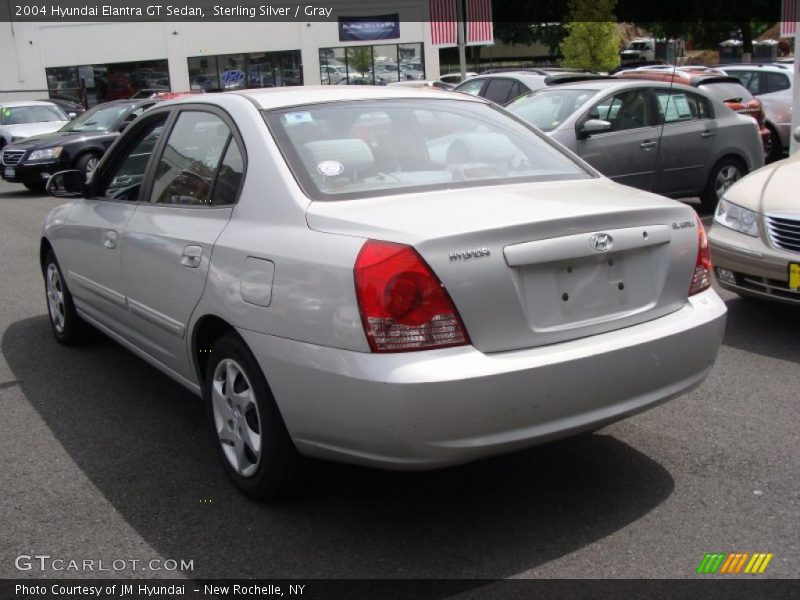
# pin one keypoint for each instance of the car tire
(774, 150)
(38, 187)
(724, 173)
(86, 164)
(68, 328)
(257, 453)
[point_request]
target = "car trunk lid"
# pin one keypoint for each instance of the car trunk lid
(534, 264)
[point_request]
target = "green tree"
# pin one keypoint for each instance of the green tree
(592, 41)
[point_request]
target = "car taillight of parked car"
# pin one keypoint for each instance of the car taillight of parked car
(403, 304)
(701, 278)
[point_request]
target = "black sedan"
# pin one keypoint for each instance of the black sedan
(78, 145)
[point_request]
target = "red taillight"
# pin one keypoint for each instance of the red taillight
(701, 279)
(403, 304)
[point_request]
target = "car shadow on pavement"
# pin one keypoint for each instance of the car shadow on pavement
(20, 193)
(143, 441)
(763, 327)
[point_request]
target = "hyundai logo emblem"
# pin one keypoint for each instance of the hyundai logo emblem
(601, 242)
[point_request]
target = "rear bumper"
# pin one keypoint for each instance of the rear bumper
(435, 408)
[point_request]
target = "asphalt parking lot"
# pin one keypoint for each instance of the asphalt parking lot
(103, 457)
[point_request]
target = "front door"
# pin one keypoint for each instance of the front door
(90, 245)
(627, 152)
(168, 241)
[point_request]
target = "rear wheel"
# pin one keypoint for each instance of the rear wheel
(68, 327)
(723, 175)
(256, 451)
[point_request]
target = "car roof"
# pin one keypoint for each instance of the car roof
(17, 103)
(296, 96)
(780, 68)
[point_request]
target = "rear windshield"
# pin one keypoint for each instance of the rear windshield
(727, 92)
(547, 109)
(347, 150)
(21, 115)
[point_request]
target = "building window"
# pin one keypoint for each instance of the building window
(93, 84)
(240, 71)
(371, 65)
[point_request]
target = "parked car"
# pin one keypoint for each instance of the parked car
(79, 144)
(673, 140)
(777, 108)
(351, 316)
(73, 109)
(725, 88)
(755, 239)
(771, 84)
(120, 87)
(26, 118)
(502, 87)
(424, 83)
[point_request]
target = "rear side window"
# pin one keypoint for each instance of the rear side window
(676, 106)
(185, 173)
(498, 90)
(777, 82)
(727, 92)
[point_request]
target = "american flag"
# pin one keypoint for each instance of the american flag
(789, 15)
(479, 22)
(443, 23)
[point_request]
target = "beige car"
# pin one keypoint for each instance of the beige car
(755, 239)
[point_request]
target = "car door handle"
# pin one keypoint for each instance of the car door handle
(110, 240)
(707, 134)
(648, 144)
(191, 257)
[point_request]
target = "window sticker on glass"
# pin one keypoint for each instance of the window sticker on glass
(330, 168)
(682, 106)
(298, 117)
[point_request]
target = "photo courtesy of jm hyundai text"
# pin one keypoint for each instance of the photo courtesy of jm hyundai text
(397, 277)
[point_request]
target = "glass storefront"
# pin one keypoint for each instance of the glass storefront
(371, 65)
(240, 71)
(93, 84)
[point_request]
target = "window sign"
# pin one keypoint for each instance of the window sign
(356, 29)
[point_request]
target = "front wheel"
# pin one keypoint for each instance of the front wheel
(86, 164)
(257, 453)
(68, 327)
(723, 175)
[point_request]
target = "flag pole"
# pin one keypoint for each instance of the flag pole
(462, 38)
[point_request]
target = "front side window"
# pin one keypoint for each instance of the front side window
(360, 149)
(125, 181)
(626, 110)
(185, 172)
(777, 82)
(471, 87)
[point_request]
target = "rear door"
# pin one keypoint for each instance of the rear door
(167, 244)
(627, 153)
(688, 141)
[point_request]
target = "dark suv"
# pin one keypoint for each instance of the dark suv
(78, 145)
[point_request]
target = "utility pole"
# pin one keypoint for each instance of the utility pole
(462, 37)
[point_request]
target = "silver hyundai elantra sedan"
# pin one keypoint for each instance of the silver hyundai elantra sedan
(396, 277)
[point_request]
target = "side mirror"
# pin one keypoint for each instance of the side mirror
(66, 184)
(797, 135)
(593, 126)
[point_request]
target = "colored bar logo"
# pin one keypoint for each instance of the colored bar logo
(734, 563)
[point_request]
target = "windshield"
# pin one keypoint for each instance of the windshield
(361, 149)
(727, 92)
(21, 115)
(100, 118)
(548, 109)
(638, 46)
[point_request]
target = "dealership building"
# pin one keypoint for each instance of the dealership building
(99, 61)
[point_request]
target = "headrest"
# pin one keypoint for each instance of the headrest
(352, 153)
(481, 147)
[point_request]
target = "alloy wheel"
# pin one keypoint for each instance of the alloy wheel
(236, 417)
(55, 298)
(726, 177)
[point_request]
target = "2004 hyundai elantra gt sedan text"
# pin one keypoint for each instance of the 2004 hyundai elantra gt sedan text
(399, 278)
